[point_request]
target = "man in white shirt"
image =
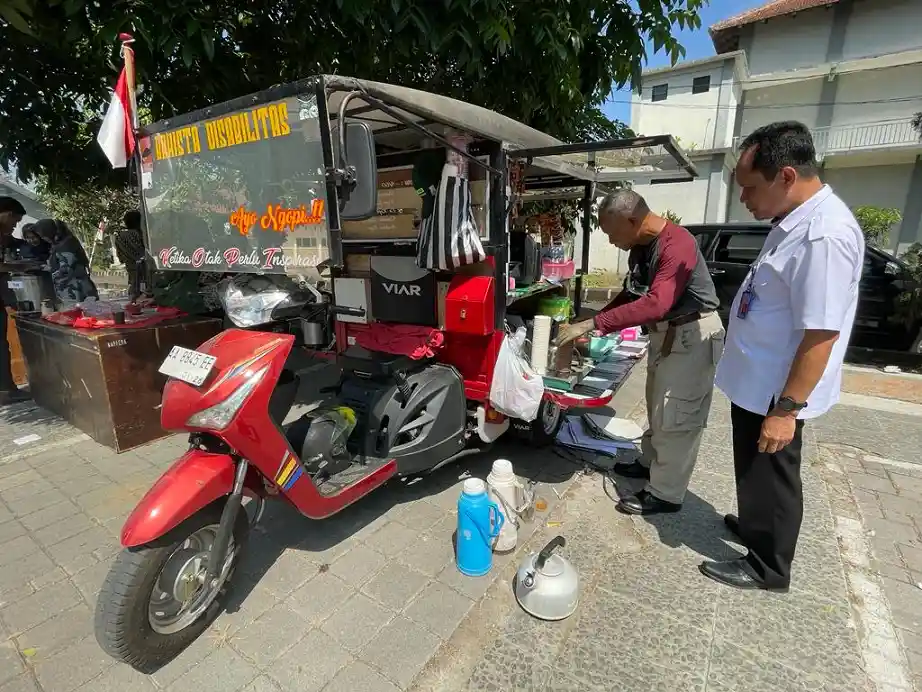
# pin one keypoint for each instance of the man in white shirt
(789, 327)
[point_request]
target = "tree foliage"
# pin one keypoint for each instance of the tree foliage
(917, 123)
(876, 222)
(670, 215)
(550, 63)
(84, 206)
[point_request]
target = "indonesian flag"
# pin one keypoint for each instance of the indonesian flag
(116, 136)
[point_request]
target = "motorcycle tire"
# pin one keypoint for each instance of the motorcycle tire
(542, 431)
(122, 622)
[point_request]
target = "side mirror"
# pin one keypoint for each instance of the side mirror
(358, 199)
(892, 269)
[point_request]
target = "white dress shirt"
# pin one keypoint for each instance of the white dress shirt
(806, 277)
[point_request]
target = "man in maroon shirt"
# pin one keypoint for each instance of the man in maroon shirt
(670, 293)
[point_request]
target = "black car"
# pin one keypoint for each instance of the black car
(730, 249)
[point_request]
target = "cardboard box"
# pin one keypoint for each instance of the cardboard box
(382, 227)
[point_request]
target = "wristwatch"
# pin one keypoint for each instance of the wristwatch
(788, 405)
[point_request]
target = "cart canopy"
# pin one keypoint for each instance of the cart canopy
(239, 187)
(242, 186)
(637, 160)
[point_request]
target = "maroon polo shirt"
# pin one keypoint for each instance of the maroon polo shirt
(663, 270)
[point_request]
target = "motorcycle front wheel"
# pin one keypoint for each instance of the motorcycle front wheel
(154, 602)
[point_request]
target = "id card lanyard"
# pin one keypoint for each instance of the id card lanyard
(749, 294)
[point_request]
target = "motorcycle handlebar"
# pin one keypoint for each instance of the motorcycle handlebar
(343, 310)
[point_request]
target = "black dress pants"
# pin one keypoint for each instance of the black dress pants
(770, 498)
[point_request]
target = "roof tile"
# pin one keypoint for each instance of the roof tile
(775, 8)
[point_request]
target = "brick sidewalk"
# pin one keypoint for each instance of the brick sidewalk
(648, 620)
(370, 598)
(873, 382)
(359, 601)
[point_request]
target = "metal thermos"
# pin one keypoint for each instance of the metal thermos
(32, 289)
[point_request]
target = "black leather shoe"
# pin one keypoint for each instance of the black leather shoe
(732, 522)
(633, 470)
(735, 574)
(646, 503)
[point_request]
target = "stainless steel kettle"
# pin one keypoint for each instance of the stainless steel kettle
(547, 585)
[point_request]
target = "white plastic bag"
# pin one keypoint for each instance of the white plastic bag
(516, 389)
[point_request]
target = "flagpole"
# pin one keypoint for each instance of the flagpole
(130, 79)
(128, 58)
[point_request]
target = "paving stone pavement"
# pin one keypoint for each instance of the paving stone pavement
(647, 620)
(370, 599)
(358, 601)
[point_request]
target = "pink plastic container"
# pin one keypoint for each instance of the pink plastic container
(630, 334)
(558, 271)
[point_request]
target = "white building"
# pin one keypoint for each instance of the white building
(851, 70)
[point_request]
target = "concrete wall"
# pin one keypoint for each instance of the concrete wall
(791, 101)
(737, 211)
(790, 42)
(863, 97)
(878, 186)
(871, 28)
(692, 118)
(886, 186)
(603, 256)
(687, 200)
(877, 27)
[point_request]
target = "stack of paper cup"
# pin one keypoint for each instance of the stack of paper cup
(540, 343)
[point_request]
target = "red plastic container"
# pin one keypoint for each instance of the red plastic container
(557, 271)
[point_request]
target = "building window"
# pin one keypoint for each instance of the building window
(660, 92)
(701, 85)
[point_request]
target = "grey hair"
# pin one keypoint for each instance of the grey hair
(626, 203)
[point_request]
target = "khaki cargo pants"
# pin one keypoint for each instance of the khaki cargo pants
(679, 389)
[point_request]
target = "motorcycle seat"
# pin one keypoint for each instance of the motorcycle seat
(374, 363)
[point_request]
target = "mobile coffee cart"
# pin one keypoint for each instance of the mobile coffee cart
(311, 188)
(273, 184)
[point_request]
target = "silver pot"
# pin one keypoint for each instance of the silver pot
(31, 290)
(547, 585)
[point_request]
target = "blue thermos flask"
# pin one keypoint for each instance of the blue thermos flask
(479, 522)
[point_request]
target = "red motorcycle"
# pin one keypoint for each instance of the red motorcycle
(232, 395)
(389, 415)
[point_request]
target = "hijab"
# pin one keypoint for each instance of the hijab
(57, 234)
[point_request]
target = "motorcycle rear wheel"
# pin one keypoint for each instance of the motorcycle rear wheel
(542, 432)
(133, 623)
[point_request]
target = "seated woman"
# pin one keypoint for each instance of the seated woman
(32, 247)
(68, 262)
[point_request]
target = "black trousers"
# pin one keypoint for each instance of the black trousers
(770, 498)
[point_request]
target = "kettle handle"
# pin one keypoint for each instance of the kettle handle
(558, 542)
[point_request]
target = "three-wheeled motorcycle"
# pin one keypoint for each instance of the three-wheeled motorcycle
(311, 194)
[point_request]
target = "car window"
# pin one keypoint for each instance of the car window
(739, 248)
(703, 238)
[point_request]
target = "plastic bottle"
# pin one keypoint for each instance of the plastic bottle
(479, 522)
(506, 491)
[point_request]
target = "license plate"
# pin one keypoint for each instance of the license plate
(14, 284)
(187, 365)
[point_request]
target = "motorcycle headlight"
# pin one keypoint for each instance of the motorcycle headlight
(220, 415)
(250, 309)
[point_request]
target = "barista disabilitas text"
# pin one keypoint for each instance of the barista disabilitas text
(254, 125)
